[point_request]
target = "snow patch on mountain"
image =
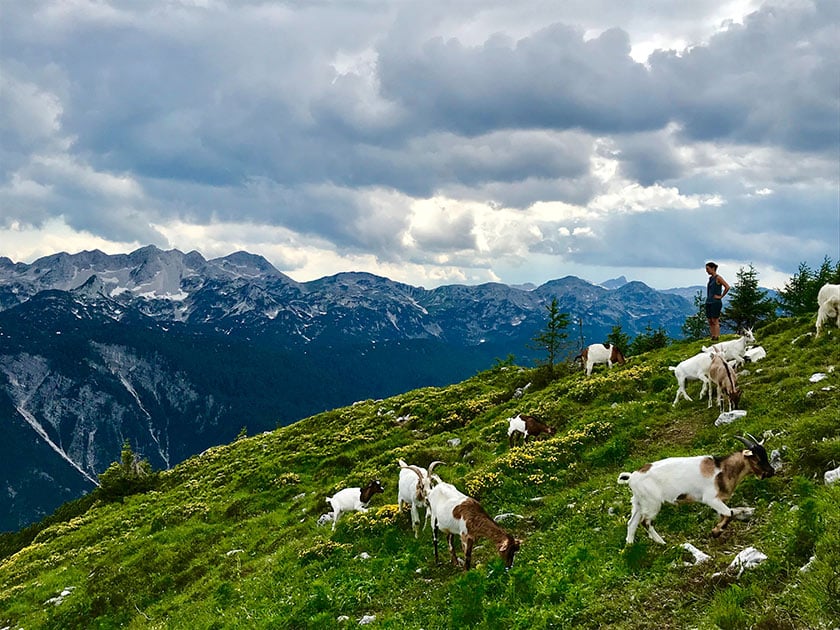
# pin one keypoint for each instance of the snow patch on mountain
(39, 429)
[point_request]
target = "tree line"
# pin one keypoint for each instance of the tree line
(747, 306)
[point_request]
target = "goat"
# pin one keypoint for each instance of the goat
(703, 478)
(734, 348)
(527, 426)
(695, 368)
(722, 376)
(453, 512)
(828, 301)
(601, 353)
(353, 499)
(413, 491)
(756, 353)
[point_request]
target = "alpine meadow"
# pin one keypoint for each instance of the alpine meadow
(412, 315)
(231, 538)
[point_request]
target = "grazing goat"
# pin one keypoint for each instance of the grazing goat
(601, 353)
(707, 479)
(694, 369)
(353, 499)
(828, 301)
(722, 376)
(734, 348)
(453, 513)
(527, 426)
(413, 491)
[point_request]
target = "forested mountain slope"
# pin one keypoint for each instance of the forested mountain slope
(177, 353)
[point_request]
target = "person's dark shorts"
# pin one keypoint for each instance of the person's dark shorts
(713, 309)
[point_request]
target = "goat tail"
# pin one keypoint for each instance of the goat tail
(673, 368)
(624, 478)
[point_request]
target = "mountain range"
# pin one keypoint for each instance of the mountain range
(175, 353)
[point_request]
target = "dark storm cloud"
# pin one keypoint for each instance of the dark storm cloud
(552, 79)
(773, 80)
(746, 229)
(647, 158)
(436, 162)
(328, 119)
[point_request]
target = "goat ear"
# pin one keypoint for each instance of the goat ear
(503, 547)
(747, 453)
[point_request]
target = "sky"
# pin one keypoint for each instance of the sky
(431, 142)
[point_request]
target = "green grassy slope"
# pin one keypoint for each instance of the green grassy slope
(229, 539)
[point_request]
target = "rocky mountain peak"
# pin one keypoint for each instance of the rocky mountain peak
(614, 283)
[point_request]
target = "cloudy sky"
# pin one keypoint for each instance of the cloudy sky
(432, 142)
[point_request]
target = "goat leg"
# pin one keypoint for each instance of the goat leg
(467, 545)
(450, 538)
(721, 525)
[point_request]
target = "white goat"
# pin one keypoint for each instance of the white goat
(353, 499)
(756, 353)
(414, 486)
(453, 513)
(734, 348)
(828, 301)
(707, 479)
(695, 368)
(722, 376)
(601, 353)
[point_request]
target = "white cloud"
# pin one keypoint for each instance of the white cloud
(434, 142)
(31, 113)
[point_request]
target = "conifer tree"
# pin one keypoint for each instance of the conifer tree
(748, 305)
(649, 340)
(551, 338)
(130, 475)
(797, 296)
(696, 325)
(619, 339)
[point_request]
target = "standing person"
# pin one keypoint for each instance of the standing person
(716, 288)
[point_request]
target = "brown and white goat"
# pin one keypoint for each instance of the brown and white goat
(722, 376)
(454, 513)
(601, 353)
(522, 424)
(353, 499)
(706, 479)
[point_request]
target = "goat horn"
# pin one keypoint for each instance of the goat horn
(433, 464)
(416, 472)
(753, 438)
(746, 442)
(413, 469)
